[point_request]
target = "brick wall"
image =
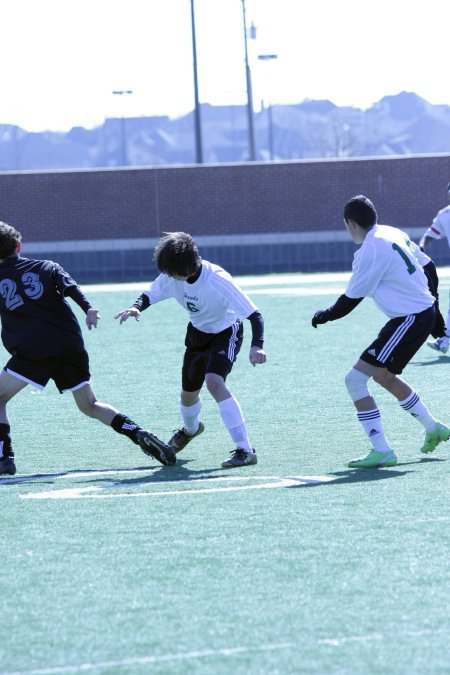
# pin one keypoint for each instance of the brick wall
(234, 199)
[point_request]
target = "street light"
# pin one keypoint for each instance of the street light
(198, 134)
(123, 140)
(251, 128)
(269, 57)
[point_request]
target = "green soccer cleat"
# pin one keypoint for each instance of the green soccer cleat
(373, 460)
(433, 438)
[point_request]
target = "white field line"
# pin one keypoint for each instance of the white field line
(254, 483)
(224, 652)
(371, 637)
(270, 280)
(245, 282)
(329, 290)
(143, 660)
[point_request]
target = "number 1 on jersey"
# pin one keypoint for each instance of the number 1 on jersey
(409, 266)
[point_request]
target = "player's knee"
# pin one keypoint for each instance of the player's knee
(215, 384)
(356, 383)
(6, 395)
(87, 407)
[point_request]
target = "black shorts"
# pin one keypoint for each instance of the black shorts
(69, 372)
(209, 353)
(399, 340)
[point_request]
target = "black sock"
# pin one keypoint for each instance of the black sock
(5, 441)
(123, 425)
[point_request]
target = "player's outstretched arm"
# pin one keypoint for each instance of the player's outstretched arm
(126, 313)
(257, 355)
(343, 306)
(92, 318)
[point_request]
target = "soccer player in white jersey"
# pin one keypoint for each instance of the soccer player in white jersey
(439, 228)
(402, 281)
(216, 307)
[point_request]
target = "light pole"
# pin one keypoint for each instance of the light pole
(269, 57)
(123, 137)
(251, 128)
(198, 133)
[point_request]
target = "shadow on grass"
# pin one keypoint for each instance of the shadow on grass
(180, 472)
(33, 477)
(356, 476)
(370, 475)
(439, 359)
(166, 474)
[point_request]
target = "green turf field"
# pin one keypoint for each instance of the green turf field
(112, 563)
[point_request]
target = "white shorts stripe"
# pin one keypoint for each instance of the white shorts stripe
(232, 342)
(24, 379)
(395, 339)
(76, 387)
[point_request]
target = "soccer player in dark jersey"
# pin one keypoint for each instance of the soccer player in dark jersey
(44, 338)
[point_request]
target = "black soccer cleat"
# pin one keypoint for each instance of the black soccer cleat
(154, 447)
(7, 466)
(181, 438)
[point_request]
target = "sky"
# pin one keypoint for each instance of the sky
(62, 59)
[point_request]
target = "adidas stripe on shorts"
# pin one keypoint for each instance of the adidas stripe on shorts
(399, 340)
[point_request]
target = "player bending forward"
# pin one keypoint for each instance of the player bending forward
(216, 307)
(402, 281)
(44, 338)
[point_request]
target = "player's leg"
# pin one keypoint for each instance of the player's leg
(89, 405)
(190, 407)
(193, 376)
(71, 374)
(381, 454)
(9, 387)
(396, 345)
(410, 401)
(233, 420)
(17, 374)
(223, 353)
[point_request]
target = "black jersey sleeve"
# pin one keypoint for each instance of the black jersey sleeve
(63, 280)
(343, 306)
(432, 278)
(257, 324)
(68, 287)
(142, 302)
(78, 296)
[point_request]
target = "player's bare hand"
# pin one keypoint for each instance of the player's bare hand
(92, 318)
(126, 313)
(257, 355)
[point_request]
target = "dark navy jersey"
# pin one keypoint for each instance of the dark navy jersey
(37, 322)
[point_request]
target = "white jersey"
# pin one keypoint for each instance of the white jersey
(389, 269)
(440, 227)
(214, 302)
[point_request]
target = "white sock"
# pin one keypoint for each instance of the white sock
(414, 405)
(231, 414)
(371, 423)
(190, 415)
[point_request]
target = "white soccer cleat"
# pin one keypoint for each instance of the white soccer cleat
(440, 345)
